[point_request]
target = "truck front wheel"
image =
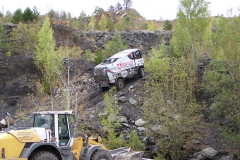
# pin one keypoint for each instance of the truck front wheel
(120, 84)
(100, 154)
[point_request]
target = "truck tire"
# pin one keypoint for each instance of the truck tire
(141, 72)
(120, 84)
(43, 155)
(100, 154)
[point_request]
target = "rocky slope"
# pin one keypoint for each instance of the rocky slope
(18, 76)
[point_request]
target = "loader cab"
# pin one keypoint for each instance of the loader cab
(58, 126)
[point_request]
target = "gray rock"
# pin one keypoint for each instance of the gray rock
(225, 121)
(122, 93)
(199, 157)
(140, 122)
(209, 152)
(141, 129)
(81, 88)
(169, 102)
(125, 125)
(229, 157)
(124, 120)
(122, 99)
(132, 101)
(130, 88)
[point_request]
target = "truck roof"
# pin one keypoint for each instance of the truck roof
(123, 53)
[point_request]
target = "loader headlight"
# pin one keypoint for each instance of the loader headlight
(3, 152)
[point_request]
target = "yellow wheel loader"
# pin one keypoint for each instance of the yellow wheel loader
(52, 138)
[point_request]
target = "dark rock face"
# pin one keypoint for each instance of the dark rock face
(17, 79)
(145, 40)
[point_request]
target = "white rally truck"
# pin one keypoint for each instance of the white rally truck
(114, 70)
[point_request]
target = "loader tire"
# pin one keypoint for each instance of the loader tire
(43, 155)
(100, 154)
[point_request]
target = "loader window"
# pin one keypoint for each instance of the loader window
(45, 121)
(71, 121)
(63, 130)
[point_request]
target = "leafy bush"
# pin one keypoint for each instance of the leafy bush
(17, 16)
(99, 58)
(24, 39)
(222, 77)
(144, 25)
(111, 121)
(170, 107)
(114, 46)
(151, 26)
(134, 142)
(4, 45)
(167, 25)
(102, 23)
(110, 25)
(27, 15)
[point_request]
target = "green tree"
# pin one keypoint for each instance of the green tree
(27, 15)
(8, 17)
(99, 58)
(51, 13)
(115, 46)
(171, 114)
(110, 25)
(91, 24)
(193, 25)
(222, 77)
(47, 60)
(127, 3)
(98, 11)
(75, 24)
(35, 13)
(118, 6)
(69, 16)
(111, 8)
(17, 16)
(111, 121)
(63, 15)
(151, 26)
(82, 14)
(102, 23)
(4, 45)
(193, 18)
(24, 39)
(167, 25)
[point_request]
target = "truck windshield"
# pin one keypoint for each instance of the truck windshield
(110, 60)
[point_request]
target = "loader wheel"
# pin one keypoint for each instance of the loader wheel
(100, 154)
(44, 155)
(120, 84)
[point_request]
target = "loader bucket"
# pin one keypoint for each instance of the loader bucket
(124, 153)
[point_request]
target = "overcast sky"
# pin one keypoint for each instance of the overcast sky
(150, 9)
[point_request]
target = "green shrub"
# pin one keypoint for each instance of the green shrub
(99, 58)
(115, 46)
(112, 121)
(167, 25)
(134, 142)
